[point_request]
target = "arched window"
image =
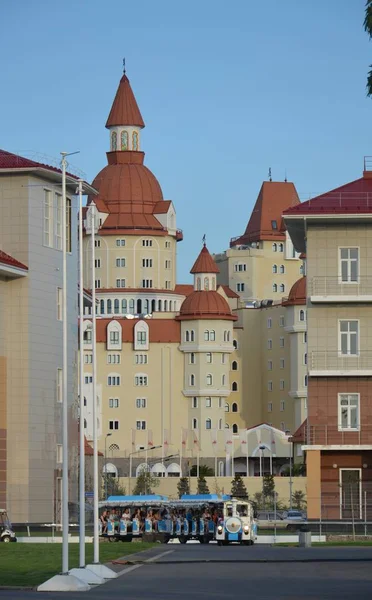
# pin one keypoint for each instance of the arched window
(135, 140)
(159, 305)
(234, 386)
(223, 380)
(227, 426)
(114, 141)
(225, 336)
(227, 407)
(235, 428)
(146, 306)
(212, 336)
(85, 423)
(235, 344)
(116, 306)
(166, 305)
(305, 381)
(305, 359)
(131, 306)
(109, 307)
(170, 305)
(302, 315)
(206, 283)
(234, 365)
(208, 424)
(209, 379)
(124, 140)
(234, 407)
(282, 269)
(213, 283)
(187, 336)
(281, 247)
(219, 423)
(192, 336)
(221, 469)
(275, 248)
(282, 287)
(194, 423)
(275, 287)
(192, 380)
(102, 307)
(124, 306)
(139, 307)
(198, 284)
(206, 335)
(113, 447)
(153, 306)
(275, 269)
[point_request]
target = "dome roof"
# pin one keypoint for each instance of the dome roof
(297, 295)
(205, 305)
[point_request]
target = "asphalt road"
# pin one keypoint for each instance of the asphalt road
(200, 572)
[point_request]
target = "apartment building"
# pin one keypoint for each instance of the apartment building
(334, 230)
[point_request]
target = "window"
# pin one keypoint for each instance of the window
(141, 359)
(302, 315)
(147, 243)
(113, 359)
(167, 264)
(113, 402)
(120, 262)
(281, 342)
(282, 405)
(167, 244)
(194, 402)
(88, 359)
(305, 358)
(116, 306)
(198, 284)
(68, 225)
(223, 380)
(349, 265)
(281, 384)
(282, 363)
(270, 386)
(208, 424)
(305, 381)
(206, 283)
(48, 219)
(87, 336)
(282, 269)
(305, 337)
(235, 429)
(269, 323)
(141, 338)
(302, 272)
(269, 365)
(223, 358)
(141, 380)
(240, 267)
(240, 287)
(349, 338)
(274, 225)
(269, 407)
(97, 284)
(97, 243)
(274, 247)
(192, 358)
(227, 407)
(208, 357)
(124, 140)
(59, 385)
(59, 304)
(280, 247)
(209, 336)
(113, 380)
(234, 365)
(120, 242)
(141, 402)
(97, 263)
(192, 380)
(234, 407)
(235, 344)
(282, 287)
(135, 141)
(219, 423)
(187, 336)
(220, 402)
(282, 425)
(59, 457)
(120, 283)
(141, 425)
(168, 284)
(348, 411)
(192, 336)
(113, 425)
(114, 141)
(208, 403)
(147, 262)
(275, 287)
(114, 338)
(58, 232)
(275, 269)
(234, 386)
(281, 321)
(194, 423)
(147, 283)
(209, 379)
(269, 344)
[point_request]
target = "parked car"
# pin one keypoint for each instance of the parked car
(267, 519)
(293, 519)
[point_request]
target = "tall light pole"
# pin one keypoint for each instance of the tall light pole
(81, 386)
(106, 436)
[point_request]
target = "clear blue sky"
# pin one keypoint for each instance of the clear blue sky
(227, 90)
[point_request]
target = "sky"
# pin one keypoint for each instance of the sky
(227, 90)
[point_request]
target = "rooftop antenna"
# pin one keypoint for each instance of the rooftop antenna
(124, 69)
(285, 175)
(204, 240)
(270, 178)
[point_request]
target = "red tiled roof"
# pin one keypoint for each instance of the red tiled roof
(184, 288)
(8, 160)
(300, 433)
(162, 207)
(124, 110)
(273, 199)
(131, 221)
(204, 263)
(297, 294)
(88, 450)
(353, 198)
(6, 259)
(229, 292)
(160, 330)
(205, 305)
(143, 290)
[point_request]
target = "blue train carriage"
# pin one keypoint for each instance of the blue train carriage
(123, 518)
(238, 524)
(198, 516)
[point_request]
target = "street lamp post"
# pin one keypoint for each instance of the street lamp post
(138, 452)
(290, 473)
(107, 435)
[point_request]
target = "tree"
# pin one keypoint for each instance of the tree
(145, 482)
(268, 487)
(299, 499)
(298, 470)
(202, 485)
(112, 485)
(368, 29)
(204, 471)
(238, 489)
(183, 486)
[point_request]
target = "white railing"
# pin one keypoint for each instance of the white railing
(325, 360)
(334, 286)
(333, 435)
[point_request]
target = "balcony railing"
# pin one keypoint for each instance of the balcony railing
(334, 286)
(326, 360)
(330, 435)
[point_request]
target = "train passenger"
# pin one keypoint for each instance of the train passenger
(104, 518)
(126, 515)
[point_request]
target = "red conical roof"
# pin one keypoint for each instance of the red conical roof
(204, 263)
(124, 110)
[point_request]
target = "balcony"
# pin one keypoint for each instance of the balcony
(328, 363)
(179, 235)
(333, 289)
(329, 435)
